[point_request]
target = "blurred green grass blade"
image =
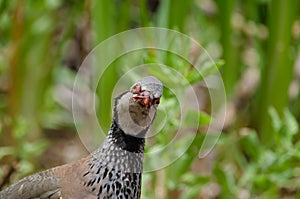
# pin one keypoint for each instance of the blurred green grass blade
(104, 19)
(163, 15)
(230, 48)
(125, 15)
(105, 25)
(277, 73)
(179, 11)
(144, 13)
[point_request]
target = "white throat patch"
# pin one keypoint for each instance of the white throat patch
(133, 118)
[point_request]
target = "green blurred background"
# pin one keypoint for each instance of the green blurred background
(255, 44)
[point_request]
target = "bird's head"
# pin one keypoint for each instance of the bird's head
(135, 109)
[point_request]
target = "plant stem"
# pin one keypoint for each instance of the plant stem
(231, 68)
(277, 73)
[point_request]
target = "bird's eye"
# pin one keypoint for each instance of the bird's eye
(136, 88)
(156, 101)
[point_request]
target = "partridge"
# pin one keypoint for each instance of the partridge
(114, 170)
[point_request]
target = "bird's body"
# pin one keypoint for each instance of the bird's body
(114, 170)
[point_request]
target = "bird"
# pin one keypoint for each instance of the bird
(112, 171)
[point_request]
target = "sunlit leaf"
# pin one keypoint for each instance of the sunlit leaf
(291, 123)
(276, 121)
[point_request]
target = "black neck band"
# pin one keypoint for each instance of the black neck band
(126, 142)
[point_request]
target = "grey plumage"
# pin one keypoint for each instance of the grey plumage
(114, 170)
(46, 183)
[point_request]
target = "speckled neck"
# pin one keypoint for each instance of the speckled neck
(120, 151)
